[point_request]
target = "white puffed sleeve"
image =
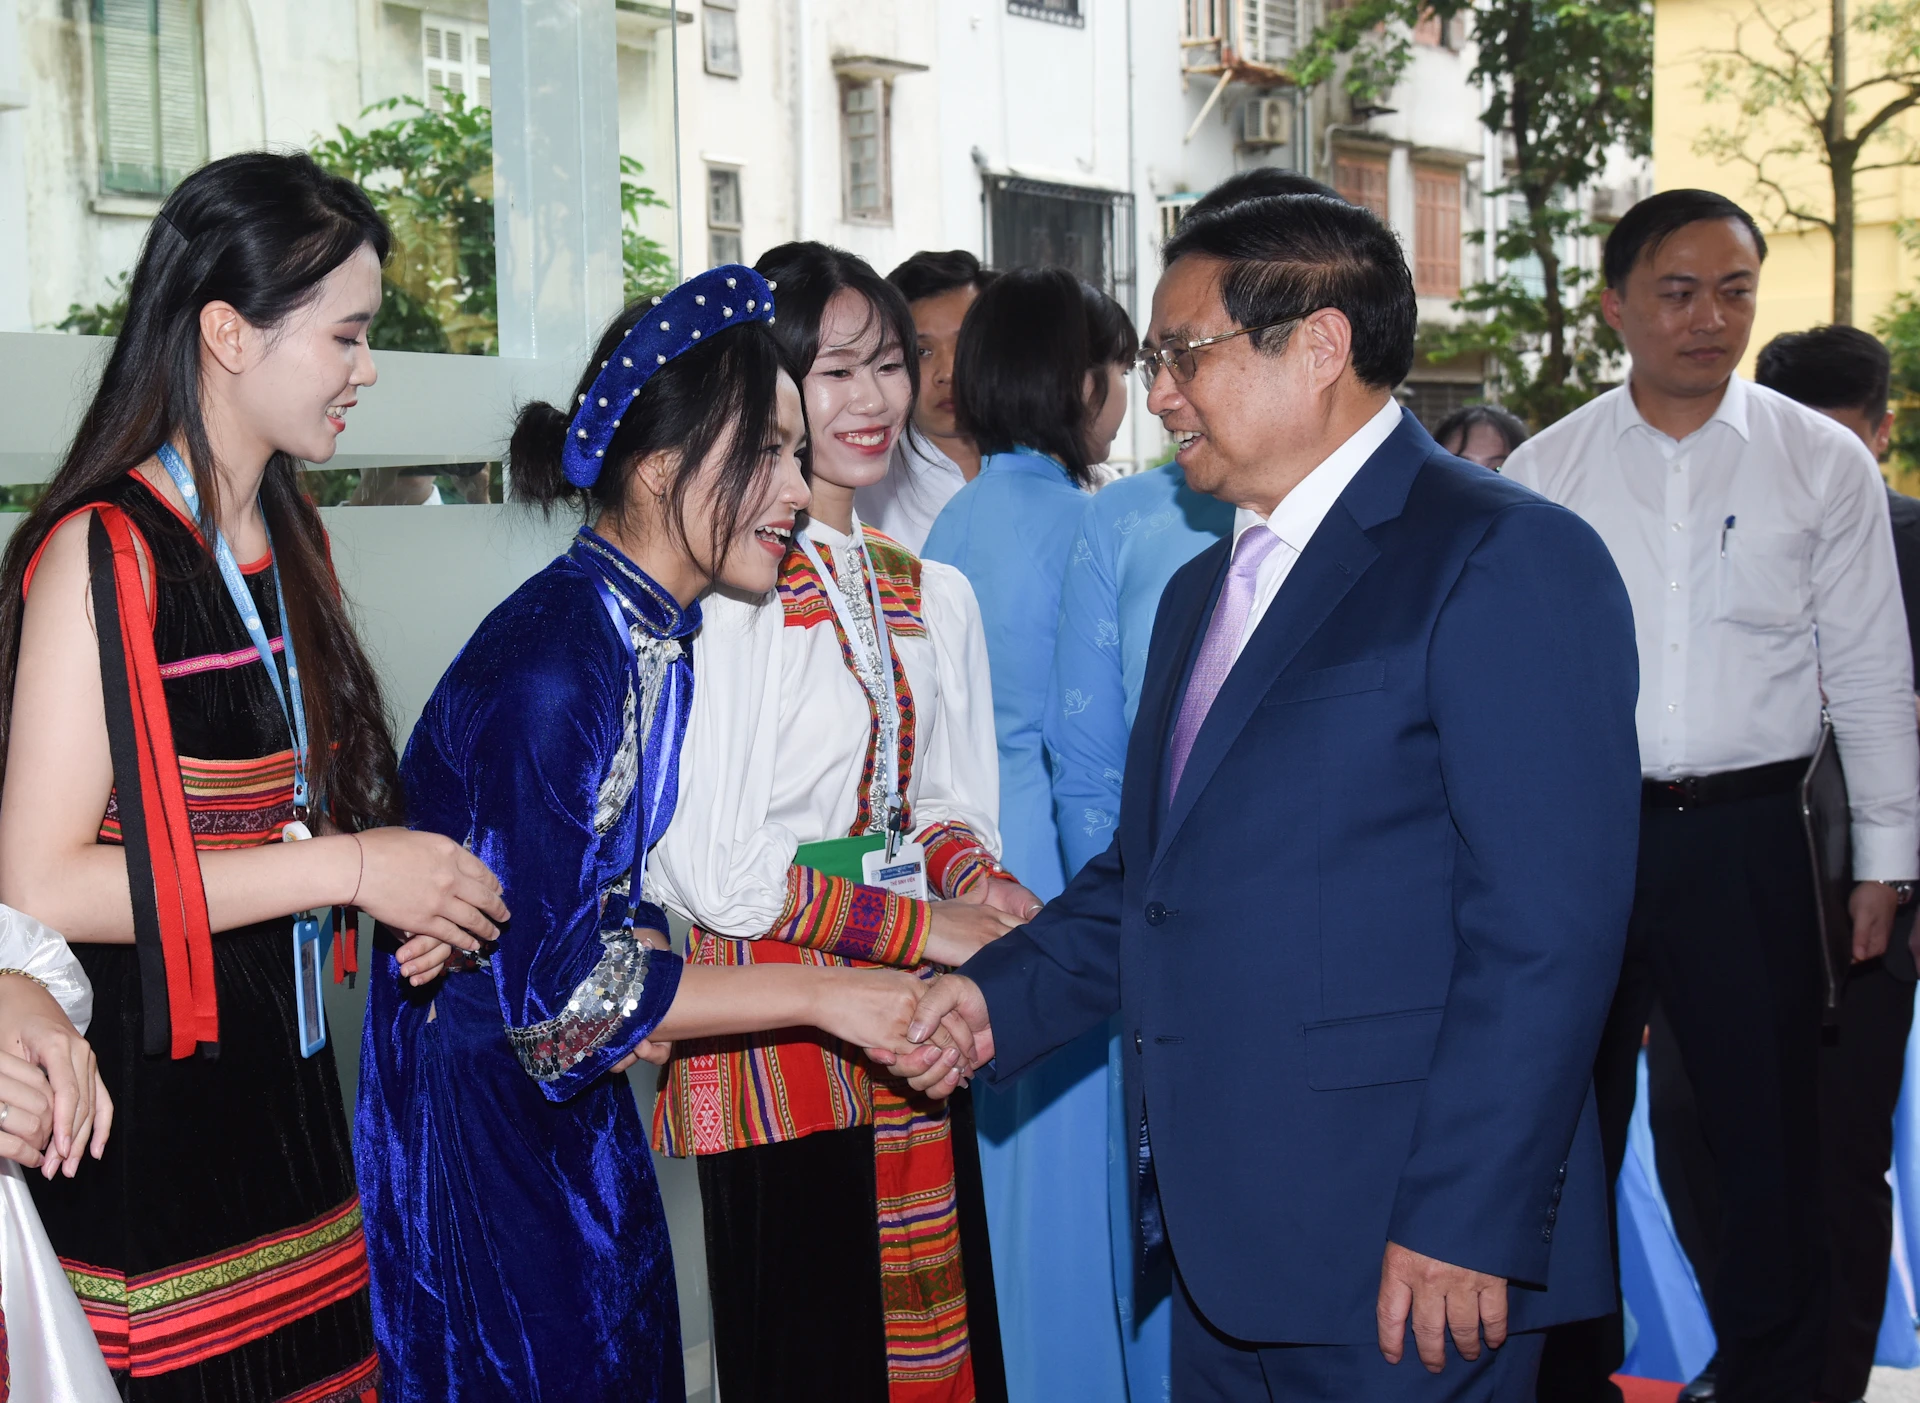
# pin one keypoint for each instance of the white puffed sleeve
(723, 863)
(38, 950)
(958, 770)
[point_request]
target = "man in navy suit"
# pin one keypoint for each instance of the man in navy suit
(1368, 897)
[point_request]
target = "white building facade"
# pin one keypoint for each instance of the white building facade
(1029, 131)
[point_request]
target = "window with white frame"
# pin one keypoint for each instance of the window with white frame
(720, 26)
(150, 87)
(864, 143)
(459, 59)
(723, 216)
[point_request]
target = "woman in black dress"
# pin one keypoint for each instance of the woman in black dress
(184, 697)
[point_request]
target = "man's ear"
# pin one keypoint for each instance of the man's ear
(1327, 339)
(224, 335)
(1611, 307)
(1882, 437)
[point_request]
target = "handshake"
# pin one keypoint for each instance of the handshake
(930, 1033)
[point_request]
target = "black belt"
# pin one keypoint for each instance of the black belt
(1697, 791)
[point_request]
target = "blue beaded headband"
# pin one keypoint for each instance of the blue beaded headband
(702, 306)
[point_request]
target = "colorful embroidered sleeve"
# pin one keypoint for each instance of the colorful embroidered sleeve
(957, 861)
(852, 921)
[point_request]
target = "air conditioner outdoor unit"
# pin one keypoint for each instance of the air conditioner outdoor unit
(1267, 121)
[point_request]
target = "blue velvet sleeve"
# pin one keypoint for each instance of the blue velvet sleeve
(525, 754)
(1085, 721)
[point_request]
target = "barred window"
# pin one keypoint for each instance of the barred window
(865, 138)
(723, 216)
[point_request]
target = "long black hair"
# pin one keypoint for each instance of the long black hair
(723, 391)
(1020, 370)
(259, 231)
(806, 277)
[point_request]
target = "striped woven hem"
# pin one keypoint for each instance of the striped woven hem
(157, 1322)
(230, 803)
(922, 1279)
(360, 1384)
(721, 1094)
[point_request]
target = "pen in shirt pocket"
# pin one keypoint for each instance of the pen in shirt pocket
(1723, 537)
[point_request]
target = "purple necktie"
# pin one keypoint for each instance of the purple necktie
(1217, 649)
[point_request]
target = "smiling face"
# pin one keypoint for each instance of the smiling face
(751, 561)
(289, 387)
(857, 394)
(1243, 408)
(936, 325)
(1686, 308)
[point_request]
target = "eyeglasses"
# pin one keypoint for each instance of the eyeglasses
(1178, 361)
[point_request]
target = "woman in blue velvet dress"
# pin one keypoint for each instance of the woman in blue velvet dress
(514, 1227)
(1039, 386)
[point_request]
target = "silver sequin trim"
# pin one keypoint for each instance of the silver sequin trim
(601, 1002)
(655, 655)
(874, 674)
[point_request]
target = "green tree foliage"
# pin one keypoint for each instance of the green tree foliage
(1569, 81)
(1812, 87)
(1899, 328)
(431, 176)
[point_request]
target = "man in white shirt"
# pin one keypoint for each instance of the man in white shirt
(933, 459)
(1752, 535)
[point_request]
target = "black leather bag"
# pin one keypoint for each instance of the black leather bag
(1828, 821)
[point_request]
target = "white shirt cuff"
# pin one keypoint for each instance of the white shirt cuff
(1885, 854)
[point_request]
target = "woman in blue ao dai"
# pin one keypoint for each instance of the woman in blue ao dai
(1040, 388)
(518, 1245)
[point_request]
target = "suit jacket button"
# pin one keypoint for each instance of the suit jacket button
(1156, 913)
(1136, 1043)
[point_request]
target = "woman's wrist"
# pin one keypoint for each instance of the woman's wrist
(346, 868)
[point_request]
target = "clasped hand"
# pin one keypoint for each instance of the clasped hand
(58, 1109)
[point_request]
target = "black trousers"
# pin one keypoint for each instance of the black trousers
(793, 1268)
(1861, 1062)
(1724, 938)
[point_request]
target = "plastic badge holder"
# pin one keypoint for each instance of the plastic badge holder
(312, 939)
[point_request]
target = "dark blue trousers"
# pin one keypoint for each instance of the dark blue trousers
(1209, 1367)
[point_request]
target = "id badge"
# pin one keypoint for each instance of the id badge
(903, 874)
(310, 941)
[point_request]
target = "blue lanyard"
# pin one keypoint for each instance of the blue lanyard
(291, 706)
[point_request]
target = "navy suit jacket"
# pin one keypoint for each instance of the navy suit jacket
(1363, 959)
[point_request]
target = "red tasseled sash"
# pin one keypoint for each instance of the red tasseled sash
(171, 931)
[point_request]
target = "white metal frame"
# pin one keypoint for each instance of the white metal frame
(556, 138)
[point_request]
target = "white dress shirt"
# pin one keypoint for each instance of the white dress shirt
(1302, 510)
(1759, 560)
(920, 481)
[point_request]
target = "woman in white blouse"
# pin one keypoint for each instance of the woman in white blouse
(53, 1112)
(852, 701)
